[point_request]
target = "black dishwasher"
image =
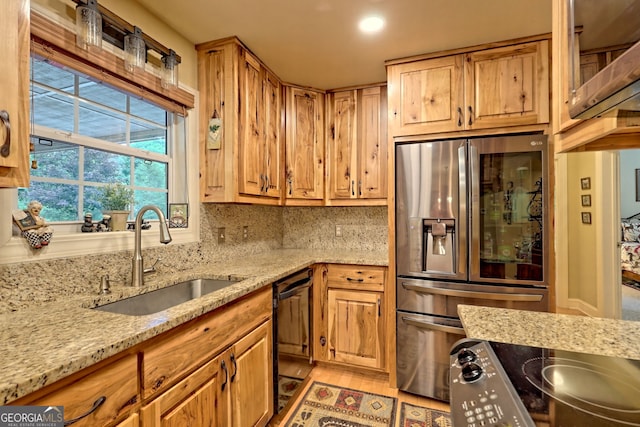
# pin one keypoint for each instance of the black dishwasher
(292, 319)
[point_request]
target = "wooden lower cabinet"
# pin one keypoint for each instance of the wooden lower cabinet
(355, 327)
(132, 421)
(233, 389)
(349, 319)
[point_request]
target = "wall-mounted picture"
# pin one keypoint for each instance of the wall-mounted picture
(585, 183)
(586, 200)
(586, 217)
(178, 215)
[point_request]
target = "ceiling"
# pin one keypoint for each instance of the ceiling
(317, 42)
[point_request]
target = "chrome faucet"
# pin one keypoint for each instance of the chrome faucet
(137, 276)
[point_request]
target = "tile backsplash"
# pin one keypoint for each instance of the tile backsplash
(269, 227)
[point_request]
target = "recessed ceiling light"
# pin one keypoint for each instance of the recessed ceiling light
(371, 24)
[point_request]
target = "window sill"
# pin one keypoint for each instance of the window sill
(17, 250)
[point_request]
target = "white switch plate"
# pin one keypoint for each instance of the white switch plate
(338, 231)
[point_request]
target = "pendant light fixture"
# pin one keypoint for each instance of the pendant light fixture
(169, 72)
(88, 25)
(135, 50)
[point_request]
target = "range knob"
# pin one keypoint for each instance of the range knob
(471, 372)
(465, 355)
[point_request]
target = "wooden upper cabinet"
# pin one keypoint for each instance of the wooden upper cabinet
(507, 86)
(490, 88)
(304, 170)
(357, 141)
(240, 161)
(259, 141)
(426, 96)
(14, 87)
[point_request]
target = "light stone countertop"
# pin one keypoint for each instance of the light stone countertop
(46, 343)
(606, 337)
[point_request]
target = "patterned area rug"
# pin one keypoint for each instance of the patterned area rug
(417, 416)
(326, 405)
(287, 386)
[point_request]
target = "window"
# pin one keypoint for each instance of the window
(87, 134)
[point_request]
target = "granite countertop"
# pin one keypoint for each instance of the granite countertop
(606, 337)
(46, 343)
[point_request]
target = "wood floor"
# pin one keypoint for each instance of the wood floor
(369, 382)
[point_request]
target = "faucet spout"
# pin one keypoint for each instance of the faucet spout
(137, 274)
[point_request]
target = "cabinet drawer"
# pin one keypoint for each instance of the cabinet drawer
(117, 383)
(356, 277)
(185, 348)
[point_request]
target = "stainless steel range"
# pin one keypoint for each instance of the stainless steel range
(470, 229)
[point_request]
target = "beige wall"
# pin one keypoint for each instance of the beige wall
(136, 15)
(582, 237)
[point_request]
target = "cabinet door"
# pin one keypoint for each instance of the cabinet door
(272, 128)
(305, 144)
(251, 133)
(507, 86)
(426, 96)
(14, 87)
(355, 327)
(372, 143)
(251, 378)
(342, 146)
(194, 401)
(132, 421)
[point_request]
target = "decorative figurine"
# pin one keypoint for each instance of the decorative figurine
(33, 227)
(104, 224)
(88, 226)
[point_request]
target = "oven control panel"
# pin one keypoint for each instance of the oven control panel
(481, 393)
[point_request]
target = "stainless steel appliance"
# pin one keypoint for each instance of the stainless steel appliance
(470, 229)
(505, 384)
(292, 335)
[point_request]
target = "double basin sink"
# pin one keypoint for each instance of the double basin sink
(162, 299)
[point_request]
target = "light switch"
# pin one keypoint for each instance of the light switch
(338, 231)
(221, 235)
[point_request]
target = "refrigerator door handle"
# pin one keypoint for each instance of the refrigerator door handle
(471, 294)
(433, 326)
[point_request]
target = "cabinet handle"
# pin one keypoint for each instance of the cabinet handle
(470, 115)
(379, 309)
(235, 367)
(226, 375)
(6, 146)
(360, 280)
(353, 190)
(459, 116)
(261, 183)
(290, 186)
(99, 401)
(266, 183)
(359, 187)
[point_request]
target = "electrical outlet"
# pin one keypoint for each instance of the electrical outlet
(221, 235)
(338, 231)
(245, 232)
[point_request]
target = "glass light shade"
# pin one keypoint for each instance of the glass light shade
(88, 25)
(135, 50)
(169, 72)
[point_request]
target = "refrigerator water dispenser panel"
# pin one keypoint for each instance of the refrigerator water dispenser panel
(440, 246)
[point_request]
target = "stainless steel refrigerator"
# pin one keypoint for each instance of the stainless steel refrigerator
(470, 229)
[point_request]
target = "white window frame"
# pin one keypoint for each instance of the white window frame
(15, 249)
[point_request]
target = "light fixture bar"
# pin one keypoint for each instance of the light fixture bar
(124, 28)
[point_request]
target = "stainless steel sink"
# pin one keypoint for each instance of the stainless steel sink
(162, 299)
